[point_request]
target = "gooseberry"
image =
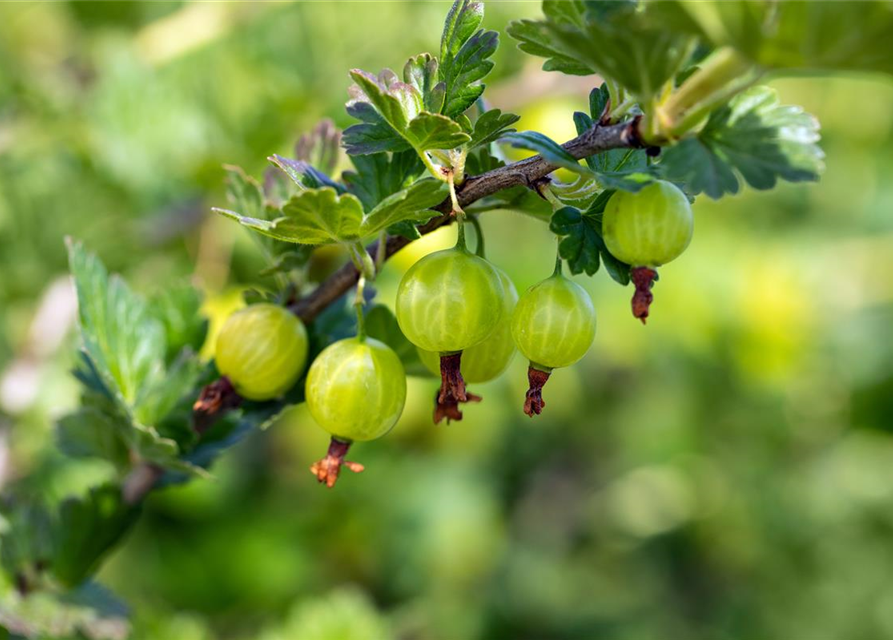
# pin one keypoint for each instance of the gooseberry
(447, 302)
(355, 390)
(646, 230)
(553, 326)
(261, 350)
(485, 360)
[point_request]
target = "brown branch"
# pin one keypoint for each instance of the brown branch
(525, 172)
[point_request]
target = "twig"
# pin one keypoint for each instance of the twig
(525, 172)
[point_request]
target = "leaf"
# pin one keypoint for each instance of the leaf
(579, 245)
(405, 229)
(381, 324)
(582, 245)
(123, 341)
(379, 175)
(89, 433)
(89, 611)
(313, 216)
(814, 36)
(320, 148)
(374, 135)
(546, 147)
(433, 131)
(618, 42)
(303, 174)
(178, 308)
(463, 73)
(490, 125)
(753, 138)
(87, 529)
(421, 72)
(399, 105)
(412, 204)
(632, 181)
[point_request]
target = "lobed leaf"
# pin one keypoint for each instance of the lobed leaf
(490, 125)
(379, 175)
(546, 147)
(421, 73)
(463, 74)
(754, 139)
(433, 131)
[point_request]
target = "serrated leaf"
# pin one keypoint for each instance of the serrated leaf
(463, 19)
(314, 216)
(87, 529)
(381, 324)
(412, 204)
(546, 147)
(754, 138)
(123, 341)
(534, 38)
(90, 433)
(433, 131)
(462, 74)
(579, 243)
(490, 125)
(374, 135)
(396, 102)
(379, 175)
(303, 174)
(88, 612)
(421, 72)
(178, 308)
(405, 229)
(321, 147)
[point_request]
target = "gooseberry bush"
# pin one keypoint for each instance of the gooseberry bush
(677, 111)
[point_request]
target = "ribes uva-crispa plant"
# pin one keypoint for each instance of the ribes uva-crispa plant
(676, 112)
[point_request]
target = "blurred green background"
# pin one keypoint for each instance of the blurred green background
(724, 473)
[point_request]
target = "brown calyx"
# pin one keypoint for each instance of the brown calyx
(643, 278)
(452, 389)
(214, 400)
(533, 402)
(327, 469)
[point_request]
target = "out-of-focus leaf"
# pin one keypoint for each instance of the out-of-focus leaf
(829, 36)
(87, 528)
(89, 611)
(124, 342)
(178, 307)
(490, 125)
(533, 37)
(381, 324)
(321, 147)
(26, 543)
(89, 432)
(341, 615)
(753, 137)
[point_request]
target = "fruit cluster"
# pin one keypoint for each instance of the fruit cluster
(465, 318)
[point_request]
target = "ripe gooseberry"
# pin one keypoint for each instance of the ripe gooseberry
(447, 302)
(355, 390)
(261, 350)
(485, 360)
(553, 326)
(646, 230)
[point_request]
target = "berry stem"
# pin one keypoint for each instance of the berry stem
(457, 211)
(366, 268)
(328, 469)
(452, 388)
(476, 223)
(643, 278)
(533, 401)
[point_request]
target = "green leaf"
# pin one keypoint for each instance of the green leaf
(546, 147)
(412, 204)
(814, 36)
(462, 20)
(433, 131)
(87, 529)
(421, 72)
(490, 125)
(121, 338)
(303, 174)
(754, 138)
(379, 175)
(534, 37)
(381, 324)
(178, 308)
(373, 135)
(405, 229)
(89, 611)
(89, 433)
(313, 216)
(582, 245)
(463, 73)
